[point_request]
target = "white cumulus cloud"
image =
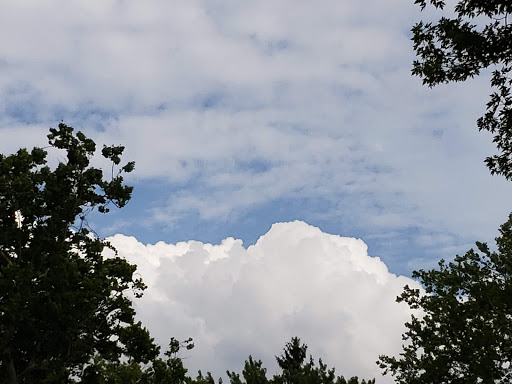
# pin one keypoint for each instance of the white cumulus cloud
(295, 281)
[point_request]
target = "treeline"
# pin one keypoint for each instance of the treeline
(295, 368)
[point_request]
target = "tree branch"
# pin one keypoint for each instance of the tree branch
(9, 261)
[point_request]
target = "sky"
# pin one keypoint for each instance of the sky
(266, 135)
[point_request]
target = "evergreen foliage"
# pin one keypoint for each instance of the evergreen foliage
(295, 369)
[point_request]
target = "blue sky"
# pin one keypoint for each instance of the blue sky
(241, 115)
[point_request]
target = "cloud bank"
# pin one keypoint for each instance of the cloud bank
(233, 111)
(295, 281)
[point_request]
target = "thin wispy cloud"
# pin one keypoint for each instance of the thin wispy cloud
(233, 107)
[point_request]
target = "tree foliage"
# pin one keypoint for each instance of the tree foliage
(64, 315)
(465, 334)
(476, 37)
(295, 369)
(158, 371)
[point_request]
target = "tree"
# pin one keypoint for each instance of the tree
(253, 373)
(295, 369)
(465, 332)
(479, 36)
(64, 315)
(170, 371)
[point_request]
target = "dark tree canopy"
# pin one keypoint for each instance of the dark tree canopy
(465, 334)
(64, 315)
(476, 37)
(295, 369)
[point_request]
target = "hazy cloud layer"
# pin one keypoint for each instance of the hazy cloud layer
(296, 280)
(229, 107)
